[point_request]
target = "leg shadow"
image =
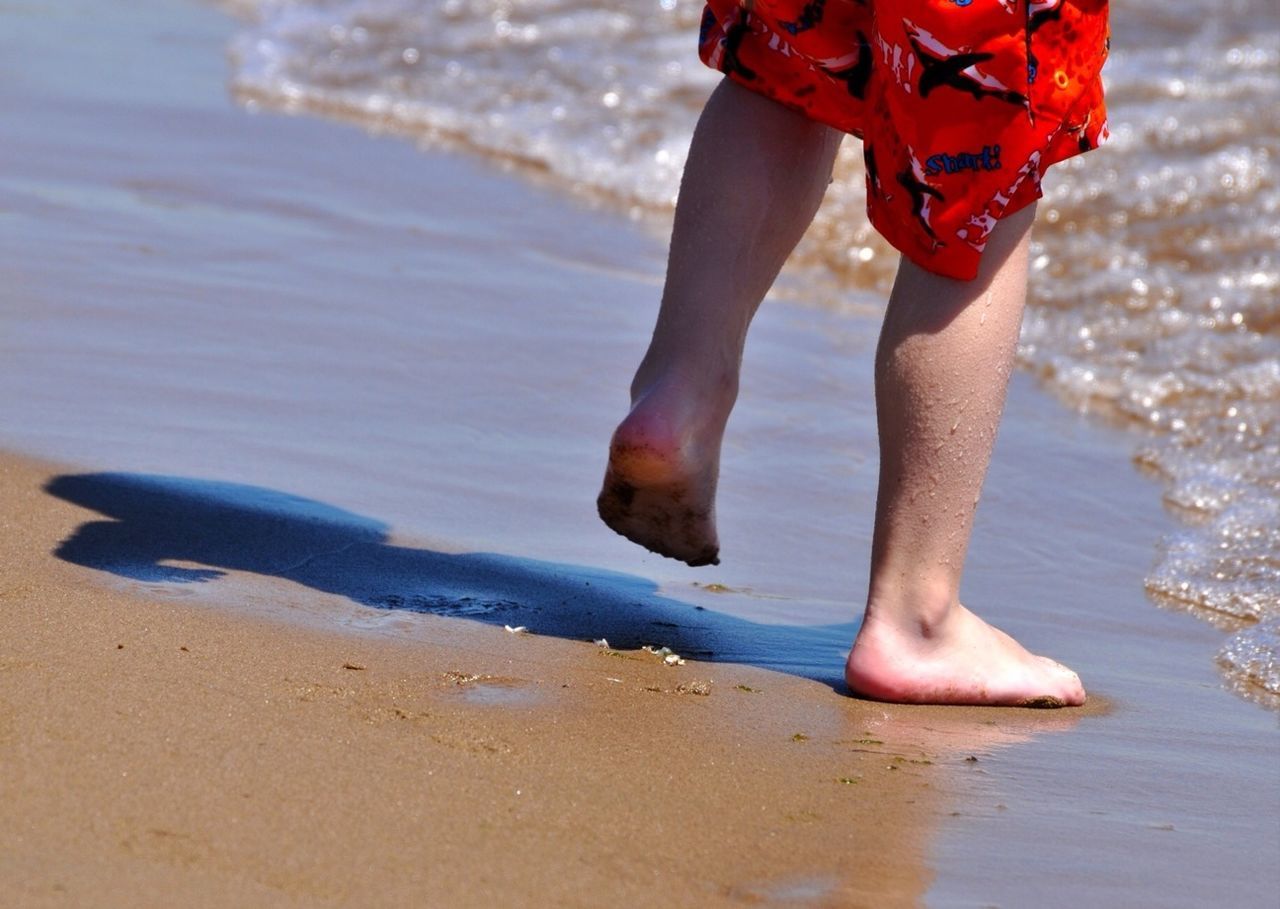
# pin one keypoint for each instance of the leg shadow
(154, 521)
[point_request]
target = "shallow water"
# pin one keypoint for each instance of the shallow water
(1156, 287)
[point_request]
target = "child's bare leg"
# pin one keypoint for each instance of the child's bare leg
(755, 176)
(942, 368)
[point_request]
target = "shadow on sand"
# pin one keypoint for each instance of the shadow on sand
(155, 521)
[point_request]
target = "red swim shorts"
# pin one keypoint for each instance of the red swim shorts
(961, 104)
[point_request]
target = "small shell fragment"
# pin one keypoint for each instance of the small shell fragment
(670, 657)
(519, 629)
(601, 642)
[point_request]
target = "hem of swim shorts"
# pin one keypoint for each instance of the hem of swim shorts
(966, 269)
(926, 258)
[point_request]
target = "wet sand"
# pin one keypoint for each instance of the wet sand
(387, 486)
(160, 754)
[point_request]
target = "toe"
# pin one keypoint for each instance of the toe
(1069, 687)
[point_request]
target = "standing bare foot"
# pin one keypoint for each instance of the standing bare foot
(660, 486)
(958, 660)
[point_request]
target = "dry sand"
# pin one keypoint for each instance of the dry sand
(161, 753)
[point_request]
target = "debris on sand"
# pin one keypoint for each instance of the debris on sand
(669, 656)
(461, 678)
(518, 629)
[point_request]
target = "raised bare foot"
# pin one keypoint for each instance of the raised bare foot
(660, 486)
(960, 660)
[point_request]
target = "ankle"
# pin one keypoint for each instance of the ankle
(706, 382)
(921, 609)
